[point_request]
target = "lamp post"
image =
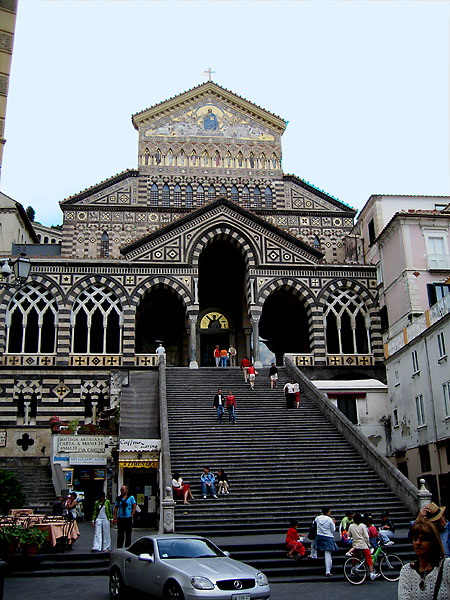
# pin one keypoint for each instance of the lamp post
(21, 269)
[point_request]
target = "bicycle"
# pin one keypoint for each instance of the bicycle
(389, 566)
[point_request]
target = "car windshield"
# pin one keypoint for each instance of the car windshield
(187, 548)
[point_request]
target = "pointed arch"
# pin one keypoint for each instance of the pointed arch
(182, 158)
(229, 160)
(165, 196)
(223, 191)
(177, 195)
(193, 158)
(257, 197)
(146, 157)
(205, 159)
(158, 157)
(211, 193)
(240, 159)
(169, 158)
(154, 195)
(251, 160)
(268, 198)
(263, 161)
(274, 161)
(234, 194)
(104, 245)
(200, 196)
(189, 196)
(217, 159)
(245, 197)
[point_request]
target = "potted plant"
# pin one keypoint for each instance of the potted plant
(9, 540)
(31, 539)
(74, 425)
(55, 423)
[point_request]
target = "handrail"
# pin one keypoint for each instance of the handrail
(59, 481)
(399, 484)
(167, 514)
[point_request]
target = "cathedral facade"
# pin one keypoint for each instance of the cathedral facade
(207, 242)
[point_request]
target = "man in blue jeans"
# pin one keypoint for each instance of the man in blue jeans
(207, 478)
(124, 509)
(219, 404)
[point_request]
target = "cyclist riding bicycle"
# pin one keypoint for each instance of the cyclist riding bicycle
(360, 536)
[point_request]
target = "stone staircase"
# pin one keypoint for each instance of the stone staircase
(282, 463)
(34, 474)
(139, 406)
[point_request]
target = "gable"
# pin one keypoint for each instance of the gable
(118, 190)
(208, 110)
(180, 242)
(301, 195)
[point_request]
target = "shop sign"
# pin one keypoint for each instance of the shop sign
(139, 445)
(87, 460)
(80, 444)
(2, 439)
(139, 464)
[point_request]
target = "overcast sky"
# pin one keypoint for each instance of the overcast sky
(364, 86)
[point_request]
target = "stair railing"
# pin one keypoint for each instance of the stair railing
(399, 484)
(167, 508)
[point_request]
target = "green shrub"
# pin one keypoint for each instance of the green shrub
(11, 495)
(32, 536)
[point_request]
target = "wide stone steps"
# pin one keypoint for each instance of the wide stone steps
(281, 463)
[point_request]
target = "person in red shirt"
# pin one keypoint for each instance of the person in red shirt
(217, 355)
(245, 364)
(293, 543)
(231, 405)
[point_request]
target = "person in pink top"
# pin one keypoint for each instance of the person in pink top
(231, 406)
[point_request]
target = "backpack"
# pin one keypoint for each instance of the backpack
(312, 533)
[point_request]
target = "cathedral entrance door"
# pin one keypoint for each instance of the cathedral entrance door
(208, 341)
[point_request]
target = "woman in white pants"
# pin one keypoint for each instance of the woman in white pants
(101, 519)
(325, 538)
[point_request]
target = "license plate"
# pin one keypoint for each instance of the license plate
(240, 596)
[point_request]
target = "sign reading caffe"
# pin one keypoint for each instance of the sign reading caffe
(77, 444)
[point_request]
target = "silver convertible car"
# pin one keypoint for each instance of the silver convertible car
(183, 567)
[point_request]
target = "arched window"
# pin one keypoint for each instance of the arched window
(189, 195)
(200, 195)
(211, 193)
(154, 195)
(177, 195)
(268, 198)
(316, 242)
(165, 195)
(31, 321)
(104, 245)
(223, 191)
(39, 237)
(96, 322)
(45, 240)
(347, 324)
(245, 197)
(257, 197)
(234, 194)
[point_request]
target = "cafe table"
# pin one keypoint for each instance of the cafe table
(58, 529)
(13, 512)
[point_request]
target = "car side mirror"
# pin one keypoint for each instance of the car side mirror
(145, 557)
(227, 554)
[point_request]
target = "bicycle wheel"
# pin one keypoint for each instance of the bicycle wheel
(355, 570)
(390, 567)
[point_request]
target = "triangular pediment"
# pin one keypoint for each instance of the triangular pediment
(177, 243)
(209, 110)
(305, 196)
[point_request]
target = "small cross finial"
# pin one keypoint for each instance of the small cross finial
(208, 72)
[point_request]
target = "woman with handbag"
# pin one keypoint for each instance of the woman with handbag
(101, 521)
(428, 577)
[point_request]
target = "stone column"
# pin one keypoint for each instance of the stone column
(248, 349)
(26, 417)
(255, 324)
(193, 364)
(94, 412)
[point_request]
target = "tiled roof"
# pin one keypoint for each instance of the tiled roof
(202, 85)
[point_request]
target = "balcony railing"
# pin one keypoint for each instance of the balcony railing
(440, 262)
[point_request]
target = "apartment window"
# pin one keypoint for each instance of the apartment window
(441, 345)
(436, 291)
(371, 230)
(415, 362)
(395, 417)
(396, 378)
(437, 249)
(420, 408)
(446, 390)
(425, 460)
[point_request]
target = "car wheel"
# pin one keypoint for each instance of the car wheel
(172, 591)
(116, 586)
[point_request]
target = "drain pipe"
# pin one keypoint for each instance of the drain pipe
(167, 510)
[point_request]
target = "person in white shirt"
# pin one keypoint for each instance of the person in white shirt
(326, 526)
(160, 350)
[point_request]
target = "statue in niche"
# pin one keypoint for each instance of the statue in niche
(210, 121)
(252, 162)
(158, 158)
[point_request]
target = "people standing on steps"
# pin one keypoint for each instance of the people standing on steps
(326, 526)
(160, 350)
(223, 357)
(289, 394)
(219, 405)
(231, 406)
(252, 373)
(223, 484)
(181, 490)
(245, 364)
(217, 355)
(101, 521)
(124, 510)
(207, 480)
(296, 391)
(273, 376)
(232, 354)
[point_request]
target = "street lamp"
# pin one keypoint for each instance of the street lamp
(21, 268)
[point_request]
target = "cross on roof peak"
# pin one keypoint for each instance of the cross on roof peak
(208, 72)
